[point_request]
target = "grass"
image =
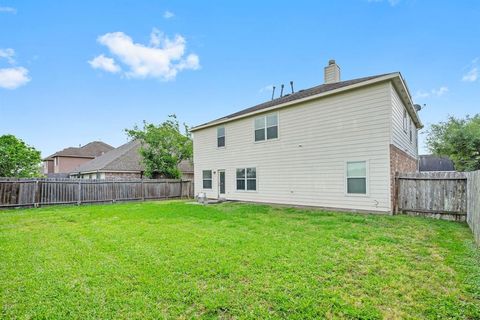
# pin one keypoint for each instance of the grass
(178, 260)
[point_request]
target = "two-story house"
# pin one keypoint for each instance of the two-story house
(64, 161)
(336, 145)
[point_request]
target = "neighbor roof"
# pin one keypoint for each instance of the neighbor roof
(124, 158)
(430, 162)
(90, 150)
(312, 93)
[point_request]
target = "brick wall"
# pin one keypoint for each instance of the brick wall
(400, 161)
(122, 175)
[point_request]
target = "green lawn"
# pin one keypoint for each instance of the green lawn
(179, 260)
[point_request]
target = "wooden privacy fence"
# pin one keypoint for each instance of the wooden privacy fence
(432, 193)
(446, 195)
(36, 192)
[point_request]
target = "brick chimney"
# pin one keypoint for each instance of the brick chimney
(332, 72)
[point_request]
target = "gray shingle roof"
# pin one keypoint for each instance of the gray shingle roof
(124, 158)
(90, 150)
(296, 96)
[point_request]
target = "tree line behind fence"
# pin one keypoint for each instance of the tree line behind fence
(35, 192)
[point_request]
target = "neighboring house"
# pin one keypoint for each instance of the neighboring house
(122, 163)
(336, 145)
(66, 160)
(429, 162)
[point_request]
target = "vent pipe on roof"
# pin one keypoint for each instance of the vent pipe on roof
(281, 91)
(332, 72)
(291, 85)
(273, 92)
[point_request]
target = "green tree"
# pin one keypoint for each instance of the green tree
(17, 159)
(459, 139)
(163, 147)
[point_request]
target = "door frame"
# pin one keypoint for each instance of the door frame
(219, 182)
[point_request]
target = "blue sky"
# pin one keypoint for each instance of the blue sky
(76, 71)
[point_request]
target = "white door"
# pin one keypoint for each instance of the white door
(221, 183)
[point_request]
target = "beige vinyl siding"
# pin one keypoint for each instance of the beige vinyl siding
(401, 138)
(306, 165)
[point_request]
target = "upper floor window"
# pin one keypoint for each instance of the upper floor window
(405, 120)
(411, 131)
(266, 127)
(221, 137)
(207, 179)
(357, 177)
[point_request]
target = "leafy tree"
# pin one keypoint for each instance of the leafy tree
(163, 147)
(17, 159)
(459, 139)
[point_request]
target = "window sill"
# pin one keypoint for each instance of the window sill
(357, 195)
(266, 140)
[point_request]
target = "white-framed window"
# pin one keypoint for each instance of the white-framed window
(266, 127)
(207, 179)
(411, 131)
(356, 177)
(221, 137)
(56, 161)
(416, 137)
(405, 120)
(246, 179)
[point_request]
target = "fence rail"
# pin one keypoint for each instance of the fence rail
(37, 192)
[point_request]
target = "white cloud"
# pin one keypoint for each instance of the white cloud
(168, 14)
(8, 10)
(393, 3)
(8, 54)
(440, 91)
(163, 58)
(422, 94)
(104, 63)
(267, 88)
(12, 78)
(155, 38)
(471, 75)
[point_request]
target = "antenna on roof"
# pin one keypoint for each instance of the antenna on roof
(291, 85)
(273, 92)
(281, 91)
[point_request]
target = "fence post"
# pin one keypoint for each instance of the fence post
(181, 188)
(79, 200)
(143, 192)
(36, 199)
(396, 192)
(114, 193)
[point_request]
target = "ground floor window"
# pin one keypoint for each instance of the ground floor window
(357, 177)
(207, 179)
(246, 179)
